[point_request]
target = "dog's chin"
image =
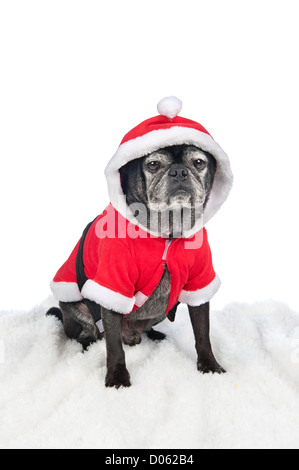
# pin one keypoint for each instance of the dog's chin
(180, 199)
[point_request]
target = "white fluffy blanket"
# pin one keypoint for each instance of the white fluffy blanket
(53, 396)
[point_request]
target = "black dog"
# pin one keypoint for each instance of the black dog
(168, 189)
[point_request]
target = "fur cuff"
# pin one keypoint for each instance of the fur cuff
(107, 298)
(66, 291)
(200, 296)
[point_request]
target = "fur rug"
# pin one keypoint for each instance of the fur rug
(53, 396)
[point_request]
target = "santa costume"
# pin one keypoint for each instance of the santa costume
(125, 261)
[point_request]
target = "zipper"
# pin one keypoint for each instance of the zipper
(141, 298)
(167, 245)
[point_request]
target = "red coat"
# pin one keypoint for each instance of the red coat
(124, 265)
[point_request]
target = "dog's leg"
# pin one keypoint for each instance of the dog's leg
(117, 374)
(200, 319)
(56, 312)
(155, 335)
(78, 323)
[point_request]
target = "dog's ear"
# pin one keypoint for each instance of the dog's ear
(212, 163)
(123, 179)
(133, 181)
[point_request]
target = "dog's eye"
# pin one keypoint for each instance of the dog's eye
(153, 166)
(199, 164)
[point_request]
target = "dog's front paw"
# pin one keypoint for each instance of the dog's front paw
(207, 363)
(155, 335)
(118, 377)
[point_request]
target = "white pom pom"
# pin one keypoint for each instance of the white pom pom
(169, 106)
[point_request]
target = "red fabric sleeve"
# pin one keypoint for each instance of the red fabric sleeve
(203, 282)
(202, 272)
(117, 269)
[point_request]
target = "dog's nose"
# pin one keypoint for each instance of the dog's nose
(179, 174)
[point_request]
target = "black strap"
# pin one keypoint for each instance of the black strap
(80, 272)
(95, 309)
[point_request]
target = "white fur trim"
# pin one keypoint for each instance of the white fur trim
(66, 291)
(170, 106)
(156, 139)
(107, 297)
(200, 296)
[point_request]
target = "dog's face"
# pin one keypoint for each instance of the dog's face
(170, 179)
(179, 176)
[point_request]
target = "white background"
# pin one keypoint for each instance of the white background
(77, 75)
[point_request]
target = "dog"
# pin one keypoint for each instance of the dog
(161, 188)
(148, 250)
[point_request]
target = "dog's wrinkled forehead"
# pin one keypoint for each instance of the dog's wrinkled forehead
(177, 154)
